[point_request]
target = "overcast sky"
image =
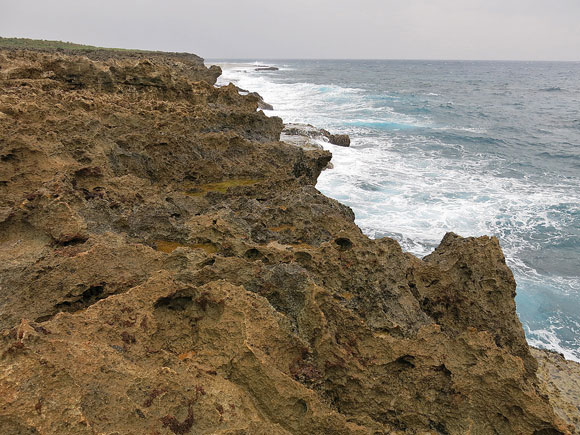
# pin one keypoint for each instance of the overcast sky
(263, 29)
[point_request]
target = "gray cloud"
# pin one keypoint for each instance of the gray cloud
(416, 29)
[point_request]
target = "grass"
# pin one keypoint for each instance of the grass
(41, 44)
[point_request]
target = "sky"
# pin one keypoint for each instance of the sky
(306, 29)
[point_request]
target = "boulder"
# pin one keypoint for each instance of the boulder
(312, 132)
(342, 140)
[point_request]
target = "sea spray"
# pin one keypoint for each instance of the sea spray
(471, 147)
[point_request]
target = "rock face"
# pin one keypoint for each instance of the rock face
(168, 267)
(302, 135)
(308, 134)
(261, 103)
(339, 139)
(560, 380)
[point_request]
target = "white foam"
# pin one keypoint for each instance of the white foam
(477, 130)
(548, 339)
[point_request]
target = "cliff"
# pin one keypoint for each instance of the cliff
(167, 266)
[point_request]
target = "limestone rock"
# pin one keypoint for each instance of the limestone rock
(261, 103)
(560, 380)
(293, 132)
(339, 139)
(167, 266)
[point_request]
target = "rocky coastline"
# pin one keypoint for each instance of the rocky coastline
(167, 266)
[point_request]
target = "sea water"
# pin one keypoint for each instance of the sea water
(470, 147)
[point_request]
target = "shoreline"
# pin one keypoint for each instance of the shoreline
(425, 239)
(230, 295)
(551, 370)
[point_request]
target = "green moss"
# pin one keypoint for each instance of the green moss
(41, 44)
(221, 186)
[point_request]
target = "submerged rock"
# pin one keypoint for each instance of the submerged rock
(167, 263)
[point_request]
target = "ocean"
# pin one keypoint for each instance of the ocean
(473, 147)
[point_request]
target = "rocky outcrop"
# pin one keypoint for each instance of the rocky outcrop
(167, 266)
(342, 140)
(560, 380)
(308, 134)
(261, 103)
(302, 135)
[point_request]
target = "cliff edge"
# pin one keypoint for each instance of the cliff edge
(168, 267)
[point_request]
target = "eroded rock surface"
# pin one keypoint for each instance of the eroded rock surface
(560, 379)
(168, 267)
(306, 136)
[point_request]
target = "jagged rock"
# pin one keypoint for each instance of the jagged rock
(339, 139)
(310, 132)
(261, 103)
(167, 265)
(306, 130)
(267, 68)
(265, 106)
(560, 380)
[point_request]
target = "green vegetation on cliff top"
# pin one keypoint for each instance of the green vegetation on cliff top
(41, 44)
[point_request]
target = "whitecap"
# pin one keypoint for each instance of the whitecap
(405, 183)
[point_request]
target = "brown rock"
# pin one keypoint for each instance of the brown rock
(560, 380)
(311, 132)
(261, 103)
(339, 139)
(167, 266)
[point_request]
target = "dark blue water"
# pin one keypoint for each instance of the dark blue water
(470, 147)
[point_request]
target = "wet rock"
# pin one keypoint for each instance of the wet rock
(312, 134)
(560, 380)
(306, 130)
(261, 103)
(339, 139)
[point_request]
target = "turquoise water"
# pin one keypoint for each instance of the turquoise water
(471, 147)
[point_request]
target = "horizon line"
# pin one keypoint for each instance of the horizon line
(298, 58)
(382, 58)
